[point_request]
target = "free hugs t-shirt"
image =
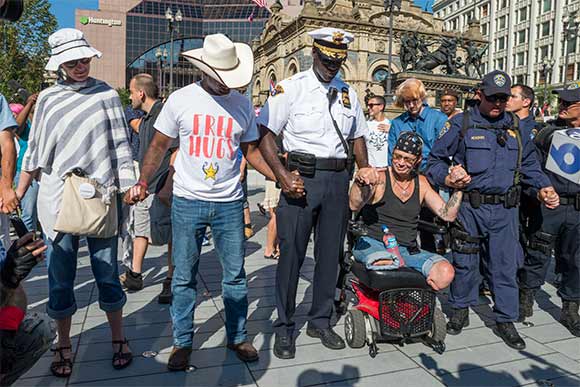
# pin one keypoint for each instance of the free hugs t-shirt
(210, 129)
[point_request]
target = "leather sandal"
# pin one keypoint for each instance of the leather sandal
(120, 355)
(62, 363)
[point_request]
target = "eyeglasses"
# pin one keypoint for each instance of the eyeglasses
(415, 101)
(407, 160)
(497, 98)
(73, 63)
(372, 105)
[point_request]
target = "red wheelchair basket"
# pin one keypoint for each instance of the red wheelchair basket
(406, 312)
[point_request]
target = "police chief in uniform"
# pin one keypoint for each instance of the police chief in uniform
(486, 141)
(559, 228)
(318, 113)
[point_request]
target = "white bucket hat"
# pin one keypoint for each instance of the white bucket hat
(68, 44)
(230, 63)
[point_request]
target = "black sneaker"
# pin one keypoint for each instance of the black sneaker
(328, 337)
(570, 318)
(131, 280)
(165, 296)
(507, 331)
(458, 320)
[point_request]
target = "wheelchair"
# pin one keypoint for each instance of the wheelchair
(396, 306)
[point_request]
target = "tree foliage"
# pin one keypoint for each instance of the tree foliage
(24, 48)
(124, 95)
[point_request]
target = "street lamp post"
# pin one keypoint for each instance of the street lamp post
(546, 68)
(571, 23)
(173, 26)
(390, 6)
(161, 56)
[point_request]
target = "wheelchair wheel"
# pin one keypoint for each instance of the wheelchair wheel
(354, 328)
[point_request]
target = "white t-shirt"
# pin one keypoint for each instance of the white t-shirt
(210, 130)
(377, 143)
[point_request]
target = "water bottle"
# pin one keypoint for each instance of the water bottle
(391, 243)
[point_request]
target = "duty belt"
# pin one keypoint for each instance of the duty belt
(573, 200)
(330, 164)
(486, 198)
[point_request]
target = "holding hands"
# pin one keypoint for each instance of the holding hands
(458, 177)
(549, 197)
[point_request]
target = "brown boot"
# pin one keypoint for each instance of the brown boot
(179, 359)
(245, 351)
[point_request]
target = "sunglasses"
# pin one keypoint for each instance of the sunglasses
(497, 98)
(410, 102)
(371, 105)
(73, 63)
(407, 160)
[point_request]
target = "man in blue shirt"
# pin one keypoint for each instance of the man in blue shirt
(492, 158)
(418, 118)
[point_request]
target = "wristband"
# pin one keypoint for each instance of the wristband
(10, 318)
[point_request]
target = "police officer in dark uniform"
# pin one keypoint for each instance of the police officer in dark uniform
(318, 113)
(559, 228)
(486, 141)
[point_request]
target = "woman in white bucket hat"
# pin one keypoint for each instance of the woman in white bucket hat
(79, 126)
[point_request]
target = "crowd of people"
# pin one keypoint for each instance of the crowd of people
(166, 172)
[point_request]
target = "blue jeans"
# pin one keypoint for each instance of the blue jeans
(28, 204)
(191, 218)
(368, 250)
(62, 267)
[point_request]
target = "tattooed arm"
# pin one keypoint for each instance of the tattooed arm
(446, 211)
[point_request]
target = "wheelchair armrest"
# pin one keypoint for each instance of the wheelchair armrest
(432, 228)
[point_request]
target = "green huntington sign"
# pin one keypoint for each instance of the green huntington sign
(84, 20)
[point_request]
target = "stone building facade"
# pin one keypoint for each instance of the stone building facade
(284, 48)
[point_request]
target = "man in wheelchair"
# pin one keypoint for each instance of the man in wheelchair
(396, 202)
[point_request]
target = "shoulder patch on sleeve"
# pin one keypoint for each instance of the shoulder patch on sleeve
(445, 129)
(277, 90)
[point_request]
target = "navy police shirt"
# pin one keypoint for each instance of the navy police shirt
(490, 165)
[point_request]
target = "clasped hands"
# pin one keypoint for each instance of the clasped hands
(458, 178)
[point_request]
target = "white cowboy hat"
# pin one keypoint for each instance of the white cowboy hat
(230, 63)
(68, 44)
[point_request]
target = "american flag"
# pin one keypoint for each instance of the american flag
(251, 17)
(272, 87)
(261, 3)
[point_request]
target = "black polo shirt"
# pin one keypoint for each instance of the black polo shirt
(146, 133)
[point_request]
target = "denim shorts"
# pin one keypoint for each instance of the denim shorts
(369, 248)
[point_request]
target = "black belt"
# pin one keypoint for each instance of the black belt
(486, 198)
(330, 164)
(570, 200)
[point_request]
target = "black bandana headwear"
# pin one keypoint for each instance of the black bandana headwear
(410, 142)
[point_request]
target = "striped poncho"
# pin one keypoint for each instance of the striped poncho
(78, 125)
(81, 125)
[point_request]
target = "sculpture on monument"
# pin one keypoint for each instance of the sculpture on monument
(445, 55)
(409, 50)
(473, 61)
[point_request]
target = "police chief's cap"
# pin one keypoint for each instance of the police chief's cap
(332, 42)
(496, 82)
(570, 93)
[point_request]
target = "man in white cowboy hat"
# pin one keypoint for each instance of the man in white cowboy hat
(318, 113)
(212, 121)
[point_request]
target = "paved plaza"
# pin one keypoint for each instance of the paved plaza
(477, 357)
